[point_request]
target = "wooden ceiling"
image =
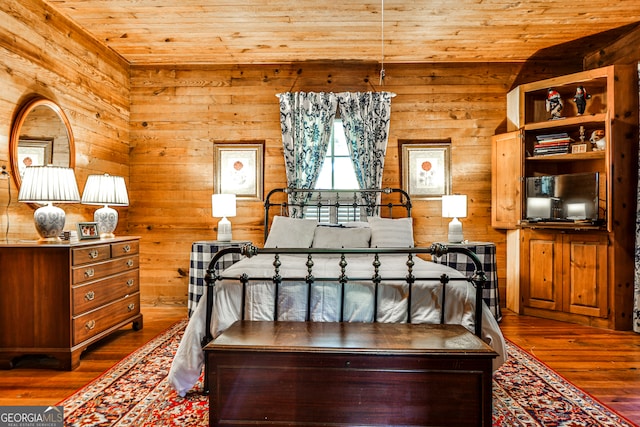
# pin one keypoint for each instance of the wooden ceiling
(286, 31)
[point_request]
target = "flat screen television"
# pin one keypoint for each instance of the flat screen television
(569, 197)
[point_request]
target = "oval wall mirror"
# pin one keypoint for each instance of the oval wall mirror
(40, 135)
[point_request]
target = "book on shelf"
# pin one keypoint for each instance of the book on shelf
(553, 139)
(552, 136)
(560, 149)
(555, 142)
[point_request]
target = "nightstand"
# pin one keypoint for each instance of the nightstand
(201, 253)
(486, 252)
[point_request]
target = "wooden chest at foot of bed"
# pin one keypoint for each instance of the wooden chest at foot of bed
(344, 374)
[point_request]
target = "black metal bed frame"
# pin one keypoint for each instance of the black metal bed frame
(354, 200)
(478, 279)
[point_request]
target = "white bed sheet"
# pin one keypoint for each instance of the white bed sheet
(325, 302)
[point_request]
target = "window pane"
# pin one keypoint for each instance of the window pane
(324, 179)
(344, 174)
(339, 139)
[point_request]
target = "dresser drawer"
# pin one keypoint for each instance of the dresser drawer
(103, 269)
(94, 322)
(124, 248)
(94, 294)
(96, 253)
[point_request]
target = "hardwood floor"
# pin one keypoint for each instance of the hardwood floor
(604, 363)
(33, 383)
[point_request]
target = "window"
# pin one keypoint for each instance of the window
(337, 173)
(337, 170)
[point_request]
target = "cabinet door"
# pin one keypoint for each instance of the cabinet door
(585, 274)
(506, 180)
(541, 277)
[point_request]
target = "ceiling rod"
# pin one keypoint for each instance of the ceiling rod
(382, 74)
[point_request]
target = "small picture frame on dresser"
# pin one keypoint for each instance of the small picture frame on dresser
(88, 230)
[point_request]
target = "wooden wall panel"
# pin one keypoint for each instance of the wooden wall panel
(178, 113)
(43, 53)
(157, 126)
(625, 50)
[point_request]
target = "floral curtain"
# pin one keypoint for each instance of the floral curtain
(306, 120)
(365, 117)
(636, 299)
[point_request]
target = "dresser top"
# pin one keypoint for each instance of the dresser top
(64, 243)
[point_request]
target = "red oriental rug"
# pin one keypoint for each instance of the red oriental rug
(135, 393)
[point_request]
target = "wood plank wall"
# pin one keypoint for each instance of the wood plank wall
(157, 126)
(178, 113)
(42, 53)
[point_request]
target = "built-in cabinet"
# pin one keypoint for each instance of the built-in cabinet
(572, 266)
(58, 298)
(565, 271)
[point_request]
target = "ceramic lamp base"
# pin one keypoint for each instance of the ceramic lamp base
(107, 219)
(455, 231)
(224, 230)
(49, 221)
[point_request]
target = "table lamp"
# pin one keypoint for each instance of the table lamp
(105, 190)
(47, 185)
(223, 205)
(454, 206)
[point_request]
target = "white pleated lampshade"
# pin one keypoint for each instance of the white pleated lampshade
(49, 184)
(105, 190)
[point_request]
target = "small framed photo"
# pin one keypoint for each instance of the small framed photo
(579, 148)
(88, 230)
(238, 169)
(426, 169)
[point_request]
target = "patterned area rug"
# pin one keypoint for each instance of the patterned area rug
(135, 393)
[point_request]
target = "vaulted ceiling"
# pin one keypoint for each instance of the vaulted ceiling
(285, 31)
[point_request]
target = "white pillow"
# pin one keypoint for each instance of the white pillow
(290, 232)
(337, 237)
(391, 233)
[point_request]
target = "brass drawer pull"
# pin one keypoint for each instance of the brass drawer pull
(93, 254)
(90, 325)
(126, 248)
(130, 282)
(131, 306)
(89, 296)
(89, 272)
(130, 262)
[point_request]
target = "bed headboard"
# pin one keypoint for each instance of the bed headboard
(336, 206)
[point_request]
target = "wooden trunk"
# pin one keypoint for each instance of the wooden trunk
(306, 373)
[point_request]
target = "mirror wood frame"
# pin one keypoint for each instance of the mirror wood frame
(16, 129)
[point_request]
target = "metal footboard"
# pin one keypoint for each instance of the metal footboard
(478, 279)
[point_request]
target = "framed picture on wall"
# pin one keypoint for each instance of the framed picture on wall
(32, 152)
(426, 169)
(238, 169)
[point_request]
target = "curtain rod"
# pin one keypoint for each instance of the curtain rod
(392, 94)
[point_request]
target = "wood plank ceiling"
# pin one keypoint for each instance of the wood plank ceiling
(284, 31)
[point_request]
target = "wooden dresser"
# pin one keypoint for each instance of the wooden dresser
(59, 298)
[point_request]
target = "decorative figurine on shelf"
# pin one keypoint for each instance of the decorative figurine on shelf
(598, 140)
(554, 104)
(580, 98)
